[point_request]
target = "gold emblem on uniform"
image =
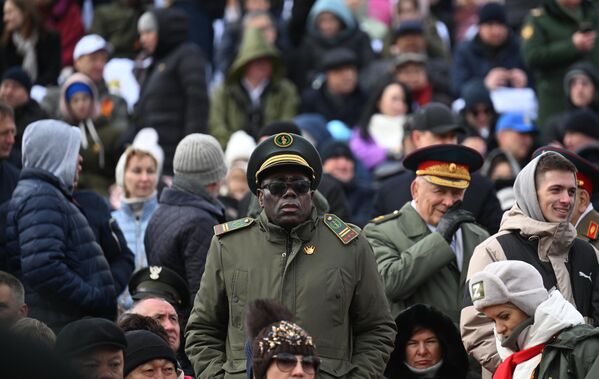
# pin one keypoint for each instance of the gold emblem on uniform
(527, 31)
(452, 167)
(155, 272)
(283, 140)
(309, 249)
(96, 148)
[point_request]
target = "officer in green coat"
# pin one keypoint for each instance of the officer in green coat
(319, 267)
(423, 249)
(555, 36)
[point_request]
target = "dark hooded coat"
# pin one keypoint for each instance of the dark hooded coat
(173, 98)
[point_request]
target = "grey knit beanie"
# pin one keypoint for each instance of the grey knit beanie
(504, 282)
(200, 158)
(147, 23)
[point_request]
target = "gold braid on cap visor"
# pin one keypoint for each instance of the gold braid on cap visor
(283, 159)
(445, 174)
(284, 332)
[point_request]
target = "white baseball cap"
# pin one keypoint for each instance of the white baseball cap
(90, 44)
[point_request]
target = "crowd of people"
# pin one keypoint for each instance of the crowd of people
(321, 188)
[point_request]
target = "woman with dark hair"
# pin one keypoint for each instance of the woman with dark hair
(428, 345)
(26, 43)
(279, 347)
(380, 131)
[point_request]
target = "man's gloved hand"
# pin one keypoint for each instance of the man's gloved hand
(452, 219)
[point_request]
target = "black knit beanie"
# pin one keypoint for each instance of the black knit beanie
(144, 346)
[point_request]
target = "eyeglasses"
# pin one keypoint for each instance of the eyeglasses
(287, 362)
(278, 188)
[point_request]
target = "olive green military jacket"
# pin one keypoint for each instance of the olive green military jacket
(548, 50)
(325, 275)
(418, 266)
(588, 228)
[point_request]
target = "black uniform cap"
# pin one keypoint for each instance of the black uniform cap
(284, 149)
(162, 282)
(590, 173)
(445, 165)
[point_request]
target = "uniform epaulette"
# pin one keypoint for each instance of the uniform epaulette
(536, 12)
(343, 231)
(230, 226)
(384, 218)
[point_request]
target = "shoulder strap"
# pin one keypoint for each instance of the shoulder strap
(230, 226)
(387, 217)
(343, 231)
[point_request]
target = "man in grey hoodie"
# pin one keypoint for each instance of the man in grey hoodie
(50, 246)
(536, 230)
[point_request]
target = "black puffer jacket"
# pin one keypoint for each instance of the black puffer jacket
(179, 234)
(174, 97)
(52, 249)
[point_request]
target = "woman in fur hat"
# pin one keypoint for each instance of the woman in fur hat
(538, 333)
(279, 347)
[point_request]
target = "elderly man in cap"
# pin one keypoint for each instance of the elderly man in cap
(537, 230)
(321, 268)
(584, 217)
(93, 347)
(423, 249)
(432, 125)
(90, 56)
(162, 294)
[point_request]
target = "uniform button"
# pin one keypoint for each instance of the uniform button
(284, 255)
(235, 299)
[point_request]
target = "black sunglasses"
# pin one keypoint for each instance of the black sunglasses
(286, 362)
(278, 188)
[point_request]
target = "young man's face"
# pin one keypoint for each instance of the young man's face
(582, 91)
(556, 192)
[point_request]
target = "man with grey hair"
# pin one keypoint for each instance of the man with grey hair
(12, 300)
(538, 231)
(179, 233)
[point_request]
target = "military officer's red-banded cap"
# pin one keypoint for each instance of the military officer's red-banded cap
(587, 175)
(284, 149)
(445, 165)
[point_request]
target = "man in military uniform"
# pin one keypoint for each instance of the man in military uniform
(556, 35)
(584, 217)
(436, 124)
(319, 267)
(423, 249)
(160, 293)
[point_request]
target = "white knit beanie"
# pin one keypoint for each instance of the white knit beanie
(515, 282)
(199, 157)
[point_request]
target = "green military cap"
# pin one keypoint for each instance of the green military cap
(445, 165)
(162, 282)
(284, 149)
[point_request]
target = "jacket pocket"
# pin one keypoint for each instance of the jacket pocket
(238, 298)
(334, 368)
(234, 368)
(336, 296)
